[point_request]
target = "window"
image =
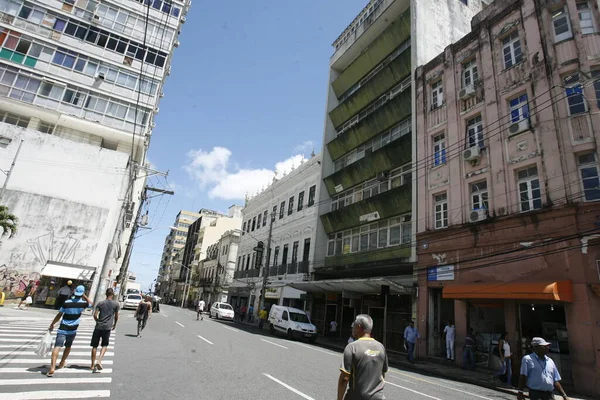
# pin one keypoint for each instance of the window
(590, 178)
(258, 221)
(14, 119)
(311, 195)
(574, 92)
(511, 48)
(562, 25)
(46, 127)
(248, 227)
(479, 196)
(282, 209)
(439, 150)
(401, 176)
(253, 260)
(247, 261)
(306, 250)
(475, 132)
(291, 205)
(470, 74)
(437, 95)
(441, 211)
(465, 2)
(596, 76)
(586, 17)
(274, 212)
(275, 255)
(284, 256)
(529, 189)
(519, 108)
(253, 224)
(239, 263)
(265, 218)
(300, 200)
(295, 252)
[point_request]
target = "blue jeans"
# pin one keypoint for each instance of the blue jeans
(506, 368)
(411, 351)
(469, 358)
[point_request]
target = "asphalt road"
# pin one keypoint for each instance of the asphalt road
(179, 357)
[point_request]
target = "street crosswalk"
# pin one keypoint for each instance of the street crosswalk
(23, 373)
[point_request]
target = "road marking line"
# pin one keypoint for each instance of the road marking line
(46, 361)
(180, 324)
(444, 386)
(317, 349)
(32, 353)
(206, 340)
(274, 344)
(53, 394)
(55, 381)
(34, 346)
(285, 385)
(412, 390)
(164, 315)
(45, 369)
(231, 329)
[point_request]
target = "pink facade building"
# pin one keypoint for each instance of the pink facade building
(508, 191)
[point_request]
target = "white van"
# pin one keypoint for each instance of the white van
(293, 322)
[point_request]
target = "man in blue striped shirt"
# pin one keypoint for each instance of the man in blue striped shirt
(70, 312)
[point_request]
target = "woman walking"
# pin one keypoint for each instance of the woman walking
(505, 359)
(142, 314)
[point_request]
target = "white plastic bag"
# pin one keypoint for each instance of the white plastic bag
(28, 300)
(45, 345)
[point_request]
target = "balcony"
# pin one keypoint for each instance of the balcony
(394, 111)
(205, 282)
(391, 38)
(388, 204)
(370, 259)
(289, 269)
(386, 79)
(388, 157)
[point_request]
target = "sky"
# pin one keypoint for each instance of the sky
(245, 102)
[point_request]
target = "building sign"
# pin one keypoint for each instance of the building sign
(339, 188)
(444, 273)
(272, 293)
(369, 217)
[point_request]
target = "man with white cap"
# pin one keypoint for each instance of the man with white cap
(539, 373)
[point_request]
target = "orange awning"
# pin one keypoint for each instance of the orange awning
(557, 291)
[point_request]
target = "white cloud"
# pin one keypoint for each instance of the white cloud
(305, 147)
(214, 172)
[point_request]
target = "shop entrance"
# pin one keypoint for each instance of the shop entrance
(440, 311)
(377, 314)
(331, 315)
(548, 321)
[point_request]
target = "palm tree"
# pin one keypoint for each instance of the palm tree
(8, 223)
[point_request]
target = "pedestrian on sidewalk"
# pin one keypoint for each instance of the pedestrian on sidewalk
(364, 364)
(262, 316)
(411, 335)
(332, 328)
(63, 295)
(143, 314)
(449, 336)
(251, 313)
(26, 293)
(200, 310)
(351, 338)
(505, 359)
(243, 313)
(68, 315)
(106, 317)
(469, 351)
(539, 373)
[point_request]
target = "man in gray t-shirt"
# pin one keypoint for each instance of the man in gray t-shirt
(106, 316)
(364, 364)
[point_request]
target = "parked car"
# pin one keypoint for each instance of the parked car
(132, 301)
(293, 322)
(221, 311)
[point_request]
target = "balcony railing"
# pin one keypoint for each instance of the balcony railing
(300, 267)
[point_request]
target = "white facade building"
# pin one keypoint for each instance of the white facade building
(78, 92)
(292, 201)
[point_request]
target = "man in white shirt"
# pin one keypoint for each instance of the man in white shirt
(450, 334)
(200, 310)
(332, 328)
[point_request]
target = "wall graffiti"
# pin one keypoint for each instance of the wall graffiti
(13, 282)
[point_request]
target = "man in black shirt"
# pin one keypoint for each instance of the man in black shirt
(106, 316)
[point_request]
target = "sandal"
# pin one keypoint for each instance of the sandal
(49, 374)
(99, 366)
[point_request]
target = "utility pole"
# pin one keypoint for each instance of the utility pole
(12, 166)
(267, 262)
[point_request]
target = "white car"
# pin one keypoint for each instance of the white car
(221, 311)
(132, 301)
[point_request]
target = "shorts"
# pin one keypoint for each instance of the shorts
(64, 340)
(98, 334)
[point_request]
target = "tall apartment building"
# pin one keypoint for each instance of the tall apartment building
(78, 93)
(291, 201)
(366, 197)
(174, 243)
(509, 188)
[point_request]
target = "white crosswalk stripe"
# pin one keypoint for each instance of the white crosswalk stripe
(23, 373)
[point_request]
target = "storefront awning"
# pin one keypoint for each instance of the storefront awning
(398, 285)
(68, 271)
(557, 291)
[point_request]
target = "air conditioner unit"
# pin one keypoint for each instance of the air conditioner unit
(95, 18)
(156, 110)
(519, 127)
(152, 125)
(472, 153)
(183, 19)
(477, 215)
(168, 70)
(466, 92)
(176, 43)
(383, 176)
